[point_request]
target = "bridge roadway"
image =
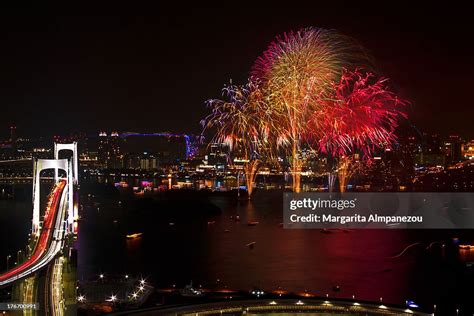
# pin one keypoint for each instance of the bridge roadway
(50, 240)
(274, 306)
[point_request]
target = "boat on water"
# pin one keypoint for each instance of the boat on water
(189, 291)
(134, 236)
(251, 245)
(252, 223)
(257, 292)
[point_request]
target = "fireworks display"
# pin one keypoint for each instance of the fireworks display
(312, 58)
(240, 123)
(359, 115)
(307, 89)
(237, 119)
(295, 69)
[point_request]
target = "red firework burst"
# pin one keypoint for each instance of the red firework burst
(360, 115)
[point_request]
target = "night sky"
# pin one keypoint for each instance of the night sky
(152, 68)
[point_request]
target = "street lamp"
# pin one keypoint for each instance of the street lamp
(18, 255)
(112, 298)
(8, 260)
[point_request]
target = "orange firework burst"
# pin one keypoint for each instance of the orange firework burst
(294, 69)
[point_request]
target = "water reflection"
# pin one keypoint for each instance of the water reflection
(356, 262)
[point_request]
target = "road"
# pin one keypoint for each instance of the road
(53, 289)
(50, 240)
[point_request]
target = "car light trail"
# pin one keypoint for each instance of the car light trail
(50, 240)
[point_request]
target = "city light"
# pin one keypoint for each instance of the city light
(411, 304)
(112, 298)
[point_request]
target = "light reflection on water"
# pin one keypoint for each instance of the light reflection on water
(216, 254)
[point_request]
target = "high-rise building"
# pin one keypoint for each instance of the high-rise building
(432, 143)
(102, 149)
(108, 150)
(115, 156)
(171, 148)
(13, 138)
(453, 149)
(468, 150)
(148, 162)
(141, 161)
(218, 156)
(432, 151)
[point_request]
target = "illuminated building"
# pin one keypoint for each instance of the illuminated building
(431, 153)
(102, 150)
(431, 159)
(115, 158)
(141, 161)
(468, 150)
(171, 148)
(453, 149)
(431, 143)
(217, 156)
(89, 160)
(109, 154)
(13, 138)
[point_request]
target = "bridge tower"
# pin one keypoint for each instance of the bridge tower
(56, 164)
(58, 147)
(72, 147)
